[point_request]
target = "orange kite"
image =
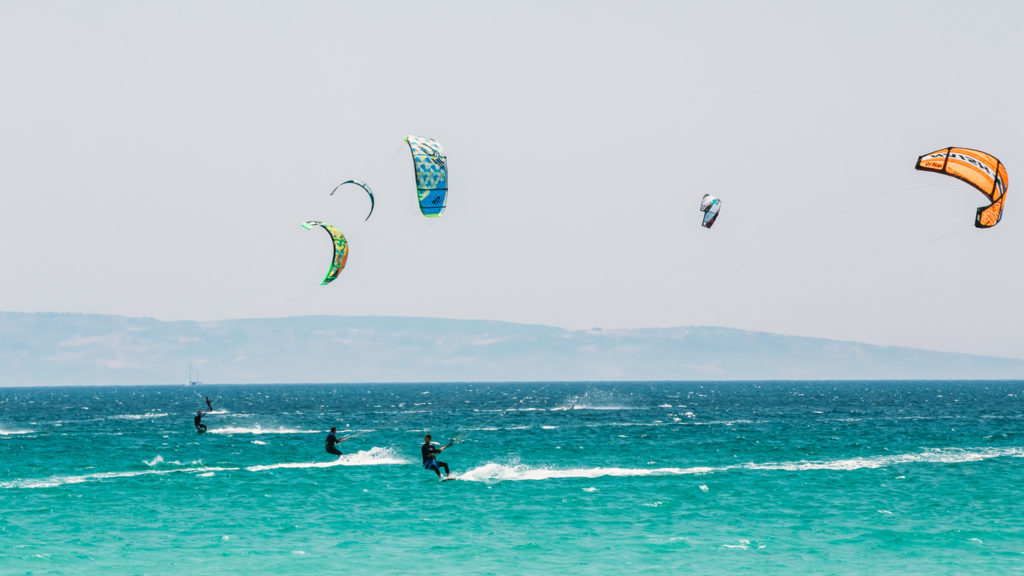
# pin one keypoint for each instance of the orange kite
(983, 171)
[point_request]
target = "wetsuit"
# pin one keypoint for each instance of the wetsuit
(430, 459)
(200, 427)
(329, 444)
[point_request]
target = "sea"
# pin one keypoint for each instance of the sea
(600, 478)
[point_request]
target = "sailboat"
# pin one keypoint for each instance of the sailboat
(192, 382)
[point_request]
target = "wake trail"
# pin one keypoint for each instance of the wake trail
(54, 481)
(494, 472)
(259, 430)
(376, 456)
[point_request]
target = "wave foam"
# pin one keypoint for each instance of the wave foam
(259, 430)
(494, 472)
(590, 407)
(935, 456)
(54, 481)
(146, 416)
(375, 456)
(14, 432)
(503, 410)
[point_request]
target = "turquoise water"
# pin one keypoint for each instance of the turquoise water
(567, 478)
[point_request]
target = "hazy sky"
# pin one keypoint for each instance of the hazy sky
(158, 158)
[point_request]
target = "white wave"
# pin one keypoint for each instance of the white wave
(146, 416)
(494, 428)
(327, 464)
(935, 456)
(503, 410)
(590, 407)
(54, 481)
(494, 472)
(216, 411)
(373, 457)
(949, 417)
(158, 460)
(14, 432)
(259, 430)
(743, 545)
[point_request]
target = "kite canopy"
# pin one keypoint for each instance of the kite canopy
(983, 171)
(340, 249)
(362, 185)
(431, 174)
(710, 206)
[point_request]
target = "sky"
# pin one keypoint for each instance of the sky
(159, 158)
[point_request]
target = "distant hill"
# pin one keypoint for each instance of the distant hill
(71, 349)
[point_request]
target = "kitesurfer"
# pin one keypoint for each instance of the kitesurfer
(430, 457)
(208, 405)
(331, 440)
(200, 427)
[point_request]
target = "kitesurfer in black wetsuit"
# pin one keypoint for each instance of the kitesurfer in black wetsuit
(430, 457)
(332, 439)
(200, 427)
